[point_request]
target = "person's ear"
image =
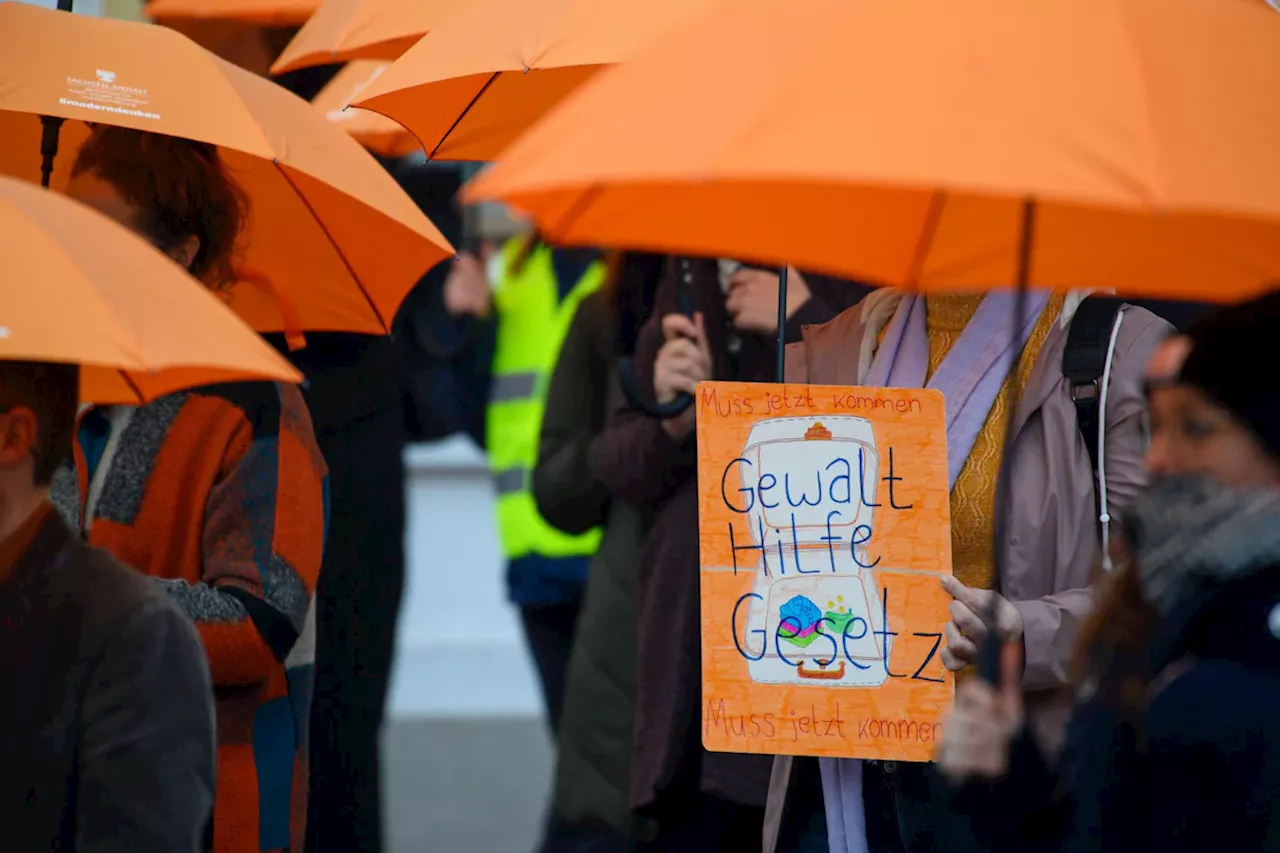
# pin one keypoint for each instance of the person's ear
(184, 254)
(18, 430)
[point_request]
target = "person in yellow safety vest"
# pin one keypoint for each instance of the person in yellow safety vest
(535, 292)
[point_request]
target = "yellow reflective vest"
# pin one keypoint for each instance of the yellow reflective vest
(544, 565)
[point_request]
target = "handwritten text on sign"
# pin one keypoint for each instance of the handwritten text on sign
(824, 523)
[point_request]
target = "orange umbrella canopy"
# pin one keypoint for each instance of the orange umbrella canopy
(333, 243)
(87, 291)
(244, 44)
(483, 75)
(283, 13)
(343, 30)
(377, 133)
(1128, 144)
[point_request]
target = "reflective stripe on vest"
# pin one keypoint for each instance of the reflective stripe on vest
(513, 386)
(511, 480)
(532, 324)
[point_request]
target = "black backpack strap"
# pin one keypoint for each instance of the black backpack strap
(1084, 360)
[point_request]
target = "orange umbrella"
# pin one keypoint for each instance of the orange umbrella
(377, 133)
(270, 13)
(483, 75)
(342, 30)
(242, 44)
(1127, 144)
(88, 291)
(333, 244)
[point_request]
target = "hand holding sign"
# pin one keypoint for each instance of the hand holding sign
(968, 627)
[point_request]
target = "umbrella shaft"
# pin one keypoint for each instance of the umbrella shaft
(49, 128)
(782, 324)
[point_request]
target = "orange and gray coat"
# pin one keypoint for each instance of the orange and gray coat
(220, 494)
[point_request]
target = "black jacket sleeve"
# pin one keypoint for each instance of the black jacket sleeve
(450, 365)
(148, 750)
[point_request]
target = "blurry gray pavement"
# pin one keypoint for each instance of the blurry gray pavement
(466, 759)
(465, 785)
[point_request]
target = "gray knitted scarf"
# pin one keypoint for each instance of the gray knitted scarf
(1189, 531)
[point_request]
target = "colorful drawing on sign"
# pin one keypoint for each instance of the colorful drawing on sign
(824, 522)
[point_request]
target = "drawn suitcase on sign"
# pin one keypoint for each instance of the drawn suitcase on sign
(817, 608)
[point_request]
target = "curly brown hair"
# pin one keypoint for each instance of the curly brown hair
(183, 190)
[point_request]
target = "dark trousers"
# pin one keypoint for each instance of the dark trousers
(909, 810)
(357, 603)
(549, 630)
(585, 839)
(700, 823)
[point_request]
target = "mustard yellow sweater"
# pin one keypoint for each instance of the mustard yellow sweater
(973, 499)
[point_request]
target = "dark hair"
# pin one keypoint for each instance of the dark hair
(1113, 651)
(182, 189)
(1229, 351)
(52, 392)
(633, 279)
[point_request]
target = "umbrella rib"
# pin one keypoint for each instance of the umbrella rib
(580, 205)
(137, 392)
(493, 77)
(341, 255)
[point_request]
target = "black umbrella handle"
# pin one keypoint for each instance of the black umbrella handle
(49, 129)
(989, 659)
(631, 387)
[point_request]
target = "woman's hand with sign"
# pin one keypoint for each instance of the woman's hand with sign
(979, 731)
(683, 362)
(968, 626)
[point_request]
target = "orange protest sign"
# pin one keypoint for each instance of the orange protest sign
(825, 527)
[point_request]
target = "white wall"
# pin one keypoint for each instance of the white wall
(460, 650)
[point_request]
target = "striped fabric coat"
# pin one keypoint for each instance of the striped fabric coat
(220, 494)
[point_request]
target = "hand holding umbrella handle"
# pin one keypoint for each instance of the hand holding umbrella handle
(662, 411)
(631, 388)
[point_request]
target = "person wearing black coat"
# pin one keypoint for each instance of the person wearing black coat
(107, 730)
(1174, 742)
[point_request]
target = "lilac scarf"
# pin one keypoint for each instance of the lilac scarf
(970, 376)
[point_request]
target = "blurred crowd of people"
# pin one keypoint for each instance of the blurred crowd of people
(1091, 740)
(1137, 608)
